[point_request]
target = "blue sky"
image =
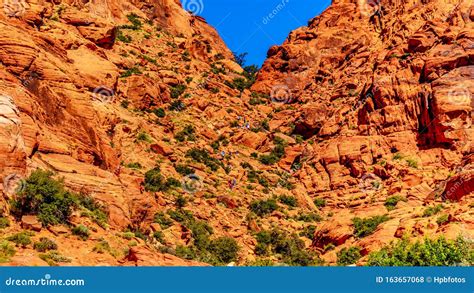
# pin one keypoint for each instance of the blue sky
(253, 26)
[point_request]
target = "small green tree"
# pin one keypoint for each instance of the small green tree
(348, 256)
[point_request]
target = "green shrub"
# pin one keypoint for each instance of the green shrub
(45, 244)
(258, 99)
(180, 215)
(160, 112)
(224, 249)
(439, 252)
(397, 156)
(285, 183)
(177, 105)
(53, 258)
(348, 256)
(6, 251)
(154, 181)
(367, 226)
(310, 217)
(287, 248)
(159, 236)
(131, 71)
(183, 169)
(81, 231)
(412, 163)
(276, 154)
(163, 219)
(93, 209)
(134, 165)
(181, 201)
(177, 91)
(443, 219)
(125, 104)
(430, 211)
(143, 136)
(391, 202)
(216, 251)
(4, 222)
(21, 239)
(319, 202)
(45, 197)
(263, 207)
(123, 38)
(128, 235)
(102, 247)
(308, 231)
(288, 200)
(203, 156)
(135, 21)
(188, 133)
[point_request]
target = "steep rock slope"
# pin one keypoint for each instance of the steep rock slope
(374, 84)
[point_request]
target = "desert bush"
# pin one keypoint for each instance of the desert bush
(45, 197)
(287, 248)
(391, 202)
(348, 256)
(367, 226)
(177, 105)
(276, 154)
(81, 231)
(45, 244)
(308, 231)
(187, 134)
(53, 258)
(102, 247)
(443, 219)
(6, 251)
(177, 91)
(309, 217)
(21, 239)
(4, 222)
(430, 252)
(163, 219)
(159, 112)
(430, 211)
(203, 156)
(224, 249)
(288, 200)
(263, 207)
(184, 169)
(319, 202)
